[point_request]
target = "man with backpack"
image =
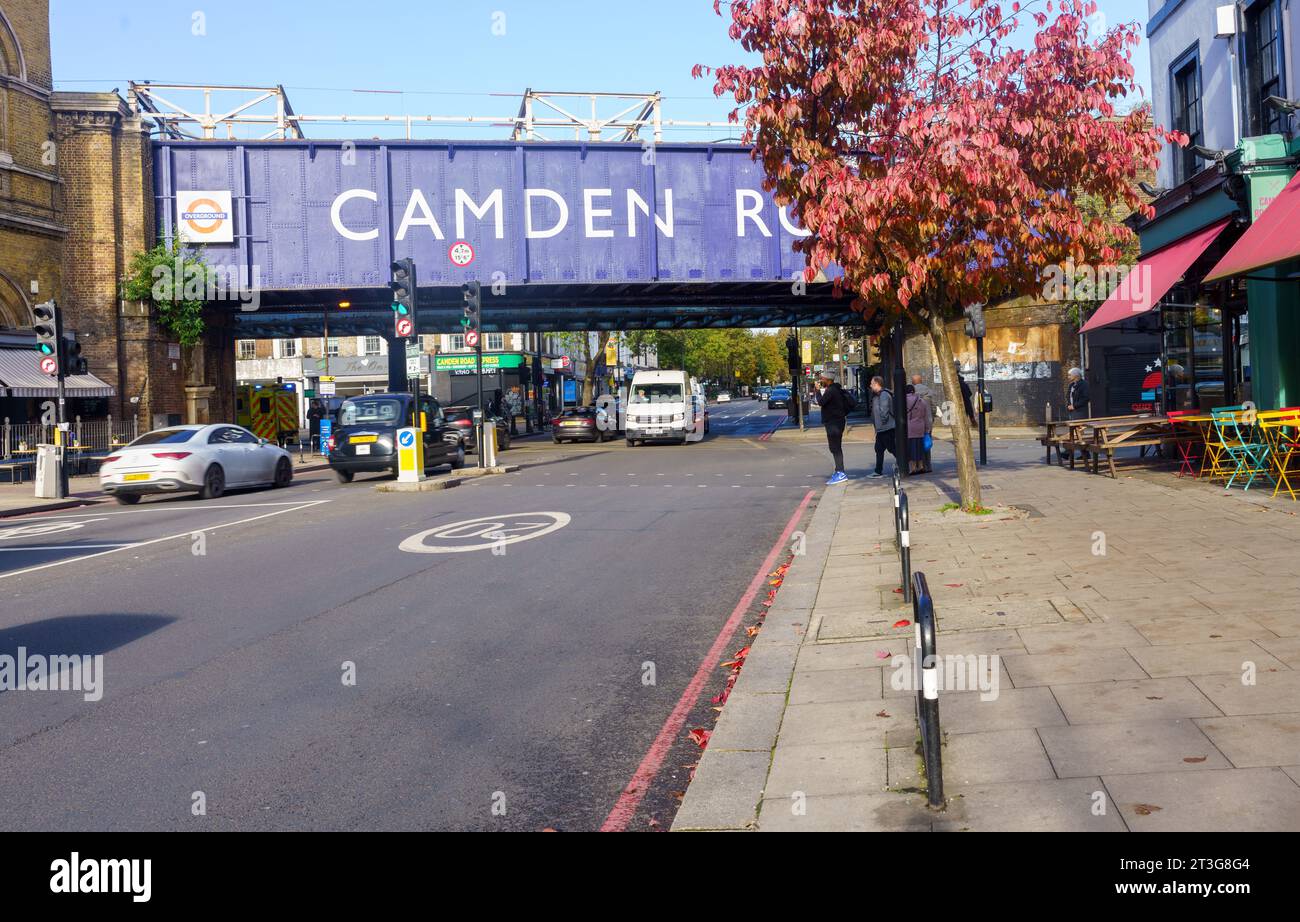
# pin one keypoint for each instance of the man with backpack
(836, 404)
(882, 417)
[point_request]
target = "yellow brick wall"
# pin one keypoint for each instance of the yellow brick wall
(31, 198)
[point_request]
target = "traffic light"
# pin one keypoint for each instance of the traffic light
(473, 295)
(974, 320)
(877, 352)
(403, 286)
(792, 360)
(49, 333)
(71, 361)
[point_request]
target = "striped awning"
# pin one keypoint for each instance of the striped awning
(21, 376)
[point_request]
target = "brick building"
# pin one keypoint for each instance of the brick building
(76, 202)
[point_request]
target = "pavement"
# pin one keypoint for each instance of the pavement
(526, 651)
(1122, 655)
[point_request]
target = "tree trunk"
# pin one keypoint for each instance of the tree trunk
(589, 379)
(967, 473)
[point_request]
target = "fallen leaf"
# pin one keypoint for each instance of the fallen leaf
(1155, 697)
(700, 737)
(954, 585)
(883, 654)
(1194, 759)
(1145, 809)
(903, 623)
(882, 713)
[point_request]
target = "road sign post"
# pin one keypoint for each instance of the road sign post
(410, 455)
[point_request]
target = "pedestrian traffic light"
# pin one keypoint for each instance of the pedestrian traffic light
(49, 331)
(974, 320)
(473, 295)
(403, 286)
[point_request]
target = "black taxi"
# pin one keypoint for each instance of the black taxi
(365, 437)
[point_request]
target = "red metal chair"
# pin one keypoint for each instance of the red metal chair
(1185, 442)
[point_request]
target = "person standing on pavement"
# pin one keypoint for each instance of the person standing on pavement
(882, 418)
(965, 393)
(835, 405)
(1076, 395)
(927, 394)
(918, 422)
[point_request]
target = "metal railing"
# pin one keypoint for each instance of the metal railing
(927, 671)
(89, 435)
(903, 537)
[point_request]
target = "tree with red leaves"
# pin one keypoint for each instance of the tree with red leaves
(932, 157)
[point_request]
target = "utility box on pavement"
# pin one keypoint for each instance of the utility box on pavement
(47, 472)
(489, 444)
(410, 455)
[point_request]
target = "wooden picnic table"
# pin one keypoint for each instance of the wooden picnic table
(1103, 435)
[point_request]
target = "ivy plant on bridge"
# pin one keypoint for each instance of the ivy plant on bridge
(176, 280)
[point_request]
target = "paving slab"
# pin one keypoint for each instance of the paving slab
(1012, 709)
(1286, 649)
(1075, 638)
(748, 721)
(1269, 693)
(1063, 668)
(821, 685)
(990, 756)
(820, 769)
(844, 722)
(1130, 747)
(1241, 800)
(886, 812)
(1250, 742)
(847, 655)
(1201, 629)
(1145, 699)
(1047, 805)
(725, 792)
(1203, 658)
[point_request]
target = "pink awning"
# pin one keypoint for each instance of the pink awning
(1154, 275)
(1272, 239)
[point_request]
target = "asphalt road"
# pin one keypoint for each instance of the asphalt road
(500, 688)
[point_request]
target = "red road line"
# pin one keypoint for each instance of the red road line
(625, 807)
(767, 435)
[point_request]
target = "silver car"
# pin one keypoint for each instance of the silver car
(202, 459)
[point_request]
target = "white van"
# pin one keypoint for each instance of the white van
(665, 405)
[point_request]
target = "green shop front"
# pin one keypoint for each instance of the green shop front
(1215, 298)
(456, 382)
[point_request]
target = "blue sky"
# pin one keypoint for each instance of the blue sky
(448, 59)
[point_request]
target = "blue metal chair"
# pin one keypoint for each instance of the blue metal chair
(1248, 453)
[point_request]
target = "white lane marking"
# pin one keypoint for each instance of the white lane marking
(36, 529)
(498, 530)
(58, 547)
(177, 537)
(200, 507)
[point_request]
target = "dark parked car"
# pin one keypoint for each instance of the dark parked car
(779, 397)
(365, 439)
(463, 419)
(582, 424)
